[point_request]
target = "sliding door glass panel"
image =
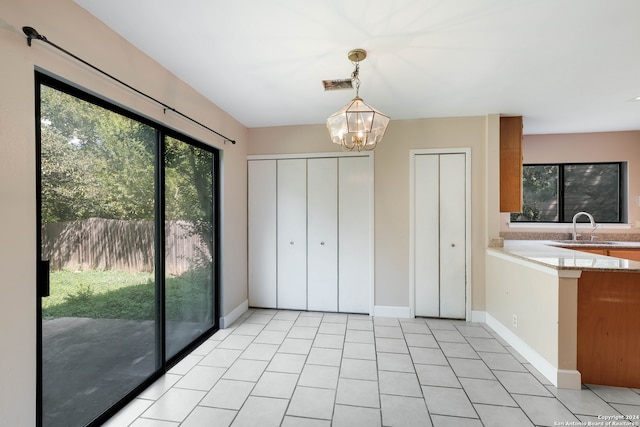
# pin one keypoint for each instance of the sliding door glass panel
(97, 216)
(189, 243)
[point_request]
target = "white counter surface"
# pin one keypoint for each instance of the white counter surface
(549, 253)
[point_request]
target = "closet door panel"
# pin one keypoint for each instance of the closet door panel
(262, 233)
(322, 234)
(427, 235)
(292, 234)
(354, 277)
(452, 235)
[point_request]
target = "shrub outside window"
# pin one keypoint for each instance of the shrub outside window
(556, 192)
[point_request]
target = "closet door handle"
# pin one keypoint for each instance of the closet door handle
(291, 242)
(322, 243)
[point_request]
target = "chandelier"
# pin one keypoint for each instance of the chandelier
(357, 125)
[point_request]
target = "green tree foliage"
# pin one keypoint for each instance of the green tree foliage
(100, 164)
(594, 188)
(540, 194)
(189, 189)
(95, 163)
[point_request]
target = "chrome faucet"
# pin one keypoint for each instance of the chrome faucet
(575, 217)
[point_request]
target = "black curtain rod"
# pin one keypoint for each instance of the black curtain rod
(32, 34)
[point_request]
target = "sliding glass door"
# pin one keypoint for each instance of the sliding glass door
(128, 253)
(189, 243)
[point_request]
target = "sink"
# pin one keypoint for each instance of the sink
(585, 242)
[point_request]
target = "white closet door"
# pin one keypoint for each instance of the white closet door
(292, 234)
(452, 235)
(262, 233)
(427, 235)
(322, 234)
(354, 275)
(440, 239)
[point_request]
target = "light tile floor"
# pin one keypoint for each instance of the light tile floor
(290, 369)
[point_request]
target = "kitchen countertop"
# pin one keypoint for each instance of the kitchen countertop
(557, 255)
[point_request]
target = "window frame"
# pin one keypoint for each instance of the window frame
(622, 196)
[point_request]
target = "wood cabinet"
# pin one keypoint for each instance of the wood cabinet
(608, 328)
(592, 251)
(511, 164)
(631, 254)
(310, 233)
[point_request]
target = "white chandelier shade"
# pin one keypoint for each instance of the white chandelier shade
(357, 126)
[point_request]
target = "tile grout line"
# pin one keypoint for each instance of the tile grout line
(511, 394)
(374, 329)
(404, 338)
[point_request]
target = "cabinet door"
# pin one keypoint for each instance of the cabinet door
(631, 254)
(322, 234)
(452, 236)
(427, 235)
(354, 251)
(262, 233)
(292, 234)
(511, 164)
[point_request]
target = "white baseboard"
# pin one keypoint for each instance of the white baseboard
(478, 316)
(570, 379)
(386, 311)
(561, 378)
(227, 320)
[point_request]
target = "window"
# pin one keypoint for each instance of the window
(556, 192)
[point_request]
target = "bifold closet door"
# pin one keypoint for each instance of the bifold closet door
(292, 234)
(440, 239)
(322, 234)
(354, 277)
(262, 214)
(427, 235)
(452, 235)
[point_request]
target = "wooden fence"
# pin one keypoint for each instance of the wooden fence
(109, 244)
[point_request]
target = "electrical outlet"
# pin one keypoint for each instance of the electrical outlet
(515, 321)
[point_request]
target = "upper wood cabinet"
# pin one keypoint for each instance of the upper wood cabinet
(511, 164)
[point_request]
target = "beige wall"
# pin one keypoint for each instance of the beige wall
(588, 147)
(69, 26)
(545, 302)
(392, 190)
(532, 295)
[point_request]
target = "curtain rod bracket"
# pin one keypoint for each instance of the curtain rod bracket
(32, 34)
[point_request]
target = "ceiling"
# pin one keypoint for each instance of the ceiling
(565, 65)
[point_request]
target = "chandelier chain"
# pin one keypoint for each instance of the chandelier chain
(355, 77)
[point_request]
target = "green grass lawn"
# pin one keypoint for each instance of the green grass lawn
(122, 295)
